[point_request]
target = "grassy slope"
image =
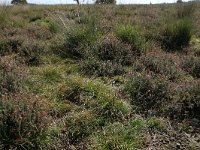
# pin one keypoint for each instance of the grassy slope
(89, 112)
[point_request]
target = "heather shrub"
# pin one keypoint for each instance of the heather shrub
(107, 57)
(186, 103)
(11, 75)
(177, 35)
(31, 52)
(157, 65)
(131, 35)
(23, 122)
(146, 93)
(110, 48)
(76, 43)
(39, 32)
(101, 68)
(10, 45)
(192, 66)
(190, 98)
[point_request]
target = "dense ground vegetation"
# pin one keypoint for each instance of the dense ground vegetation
(100, 77)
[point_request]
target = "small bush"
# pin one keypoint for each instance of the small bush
(146, 93)
(190, 98)
(39, 32)
(131, 35)
(23, 122)
(11, 75)
(107, 57)
(31, 52)
(177, 35)
(111, 49)
(157, 65)
(101, 68)
(10, 45)
(192, 66)
(186, 103)
(76, 43)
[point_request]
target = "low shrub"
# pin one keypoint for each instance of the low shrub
(76, 43)
(131, 35)
(111, 49)
(10, 45)
(146, 93)
(23, 122)
(38, 32)
(12, 75)
(107, 57)
(177, 35)
(31, 52)
(186, 103)
(101, 68)
(157, 65)
(192, 66)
